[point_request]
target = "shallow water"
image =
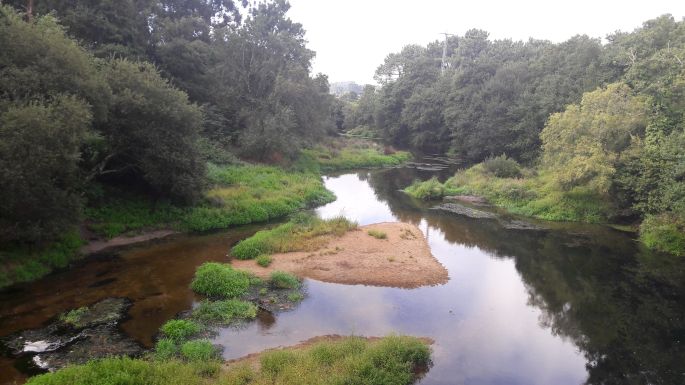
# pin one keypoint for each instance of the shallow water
(575, 304)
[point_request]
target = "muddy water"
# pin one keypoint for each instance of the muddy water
(570, 305)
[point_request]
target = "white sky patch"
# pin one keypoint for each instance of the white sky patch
(352, 37)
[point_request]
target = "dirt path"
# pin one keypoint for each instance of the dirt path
(403, 259)
(99, 245)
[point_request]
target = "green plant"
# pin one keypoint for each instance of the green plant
(664, 232)
(165, 349)
(378, 234)
(295, 297)
(264, 260)
(502, 167)
(224, 312)
(426, 190)
(179, 330)
(199, 350)
(73, 317)
(220, 280)
(283, 280)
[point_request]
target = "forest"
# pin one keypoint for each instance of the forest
(580, 130)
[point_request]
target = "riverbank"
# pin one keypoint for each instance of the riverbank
(383, 254)
(237, 194)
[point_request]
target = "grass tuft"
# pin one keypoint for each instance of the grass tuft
(220, 280)
(180, 330)
(300, 234)
(264, 260)
(199, 351)
(224, 312)
(378, 234)
(283, 280)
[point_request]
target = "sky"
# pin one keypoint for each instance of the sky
(352, 37)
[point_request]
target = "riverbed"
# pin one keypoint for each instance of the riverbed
(568, 304)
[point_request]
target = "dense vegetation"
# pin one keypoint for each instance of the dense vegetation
(601, 128)
(391, 360)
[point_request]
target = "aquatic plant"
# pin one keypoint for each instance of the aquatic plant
(179, 329)
(426, 190)
(283, 280)
(224, 312)
(220, 280)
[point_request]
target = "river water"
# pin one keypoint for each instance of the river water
(570, 305)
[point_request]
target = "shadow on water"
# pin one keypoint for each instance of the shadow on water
(572, 304)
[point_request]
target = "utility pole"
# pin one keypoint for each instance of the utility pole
(444, 53)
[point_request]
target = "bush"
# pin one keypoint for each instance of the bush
(199, 350)
(220, 280)
(426, 190)
(664, 232)
(178, 330)
(264, 260)
(224, 312)
(283, 280)
(502, 167)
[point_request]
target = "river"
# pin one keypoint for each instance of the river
(572, 304)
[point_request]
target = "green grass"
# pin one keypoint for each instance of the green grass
(73, 317)
(351, 360)
(264, 260)
(378, 234)
(238, 195)
(25, 264)
(300, 234)
(295, 297)
(665, 232)
(180, 330)
(283, 280)
(199, 350)
(351, 154)
(166, 349)
(426, 190)
(224, 312)
(220, 280)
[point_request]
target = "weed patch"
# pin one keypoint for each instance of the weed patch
(378, 234)
(220, 280)
(283, 280)
(224, 312)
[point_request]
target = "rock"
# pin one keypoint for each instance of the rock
(77, 336)
(473, 199)
(457, 208)
(522, 225)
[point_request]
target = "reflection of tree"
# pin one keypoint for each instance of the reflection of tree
(621, 305)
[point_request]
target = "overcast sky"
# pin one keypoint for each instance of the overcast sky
(352, 37)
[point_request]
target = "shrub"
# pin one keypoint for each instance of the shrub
(178, 330)
(378, 234)
(220, 280)
(426, 190)
(283, 280)
(199, 350)
(664, 232)
(224, 312)
(502, 167)
(264, 260)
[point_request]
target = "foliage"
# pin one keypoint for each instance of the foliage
(283, 280)
(378, 234)
(264, 260)
(426, 190)
(25, 263)
(350, 360)
(165, 349)
(198, 350)
(224, 312)
(220, 280)
(178, 330)
(344, 155)
(247, 194)
(73, 317)
(664, 232)
(295, 235)
(502, 167)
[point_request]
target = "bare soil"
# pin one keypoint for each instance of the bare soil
(402, 260)
(123, 240)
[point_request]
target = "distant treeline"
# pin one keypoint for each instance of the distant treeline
(598, 122)
(142, 93)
